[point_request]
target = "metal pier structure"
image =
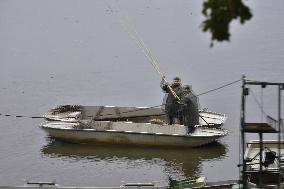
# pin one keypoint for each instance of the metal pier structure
(270, 126)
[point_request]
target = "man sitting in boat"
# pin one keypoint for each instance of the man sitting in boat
(173, 107)
(190, 108)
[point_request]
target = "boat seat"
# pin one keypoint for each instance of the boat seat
(157, 121)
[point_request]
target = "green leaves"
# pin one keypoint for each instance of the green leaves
(219, 14)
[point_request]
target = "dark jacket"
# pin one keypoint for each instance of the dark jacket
(172, 106)
(191, 113)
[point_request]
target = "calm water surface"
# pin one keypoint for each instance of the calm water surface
(74, 52)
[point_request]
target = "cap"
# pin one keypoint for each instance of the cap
(176, 78)
(187, 87)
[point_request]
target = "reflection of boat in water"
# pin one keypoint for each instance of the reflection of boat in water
(177, 162)
(128, 125)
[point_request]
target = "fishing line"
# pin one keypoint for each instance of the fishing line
(258, 103)
(125, 23)
(212, 90)
(22, 116)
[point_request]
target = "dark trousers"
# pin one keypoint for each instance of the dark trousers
(189, 122)
(171, 119)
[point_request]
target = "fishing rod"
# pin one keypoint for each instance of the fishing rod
(134, 35)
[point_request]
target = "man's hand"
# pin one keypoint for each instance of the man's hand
(163, 82)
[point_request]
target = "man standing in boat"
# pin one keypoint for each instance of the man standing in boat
(173, 105)
(191, 108)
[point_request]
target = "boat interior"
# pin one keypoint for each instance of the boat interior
(126, 114)
(269, 161)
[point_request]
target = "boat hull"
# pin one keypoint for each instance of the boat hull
(92, 136)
